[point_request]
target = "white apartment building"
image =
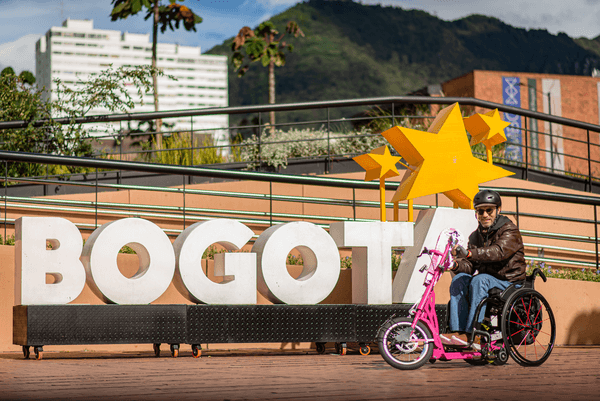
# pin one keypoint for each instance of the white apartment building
(75, 50)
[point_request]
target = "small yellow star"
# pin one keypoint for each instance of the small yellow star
(486, 128)
(442, 159)
(379, 164)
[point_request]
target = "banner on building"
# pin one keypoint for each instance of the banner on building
(511, 96)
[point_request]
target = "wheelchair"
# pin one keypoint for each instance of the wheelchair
(521, 319)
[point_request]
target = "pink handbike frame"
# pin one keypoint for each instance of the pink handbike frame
(424, 311)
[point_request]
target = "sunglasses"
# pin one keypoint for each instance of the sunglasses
(488, 211)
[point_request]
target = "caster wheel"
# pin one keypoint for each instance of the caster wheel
(26, 351)
(365, 350)
(501, 358)
(341, 348)
(320, 348)
(174, 350)
(196, 351)
(39, 353)
(432, 360)
(156, 348)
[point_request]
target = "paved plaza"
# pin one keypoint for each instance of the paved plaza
(569, 374)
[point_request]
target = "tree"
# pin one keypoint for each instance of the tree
(263, 45)
(20, 101)
(7, 71)
(161, 15)
(27, 77)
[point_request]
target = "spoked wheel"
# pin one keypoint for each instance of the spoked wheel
(404, 347)
(156, 348)
(528, 327)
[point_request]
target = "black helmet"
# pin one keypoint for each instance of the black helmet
(487, 197)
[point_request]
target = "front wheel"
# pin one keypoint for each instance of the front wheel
(404, 347)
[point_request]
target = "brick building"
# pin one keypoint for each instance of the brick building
(569, 96)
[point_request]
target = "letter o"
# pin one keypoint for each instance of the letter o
(321, 263)
(154, 251)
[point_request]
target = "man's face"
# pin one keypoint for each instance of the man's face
(486, 214)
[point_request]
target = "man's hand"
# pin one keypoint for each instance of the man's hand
(460, 251)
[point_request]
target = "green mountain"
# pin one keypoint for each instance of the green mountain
(353, 50)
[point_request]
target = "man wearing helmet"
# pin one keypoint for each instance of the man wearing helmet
(494, 258)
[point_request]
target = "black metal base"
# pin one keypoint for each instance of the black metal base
(37, 325)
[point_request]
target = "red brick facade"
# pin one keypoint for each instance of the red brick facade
(577, 99)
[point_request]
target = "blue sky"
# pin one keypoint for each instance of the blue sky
(23, 21)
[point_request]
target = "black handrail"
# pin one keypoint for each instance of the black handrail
(260, 176)
(465, 101)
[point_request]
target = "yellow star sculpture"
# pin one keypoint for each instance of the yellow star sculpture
(379, 164)
(442, 160)
(488, 129)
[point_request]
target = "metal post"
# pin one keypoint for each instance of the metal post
(393, 116)
(192, 141)
(5, 196)
(354, 203)
(596, 235)
(517, 215)
(328, 149)
(96, 203)
(589, 162)
(550, 133)
(270, 203)
(184, 202)
(526, 152)
(259, 132)
(120, 150)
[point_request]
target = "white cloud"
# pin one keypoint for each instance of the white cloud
(19, 54)
(576, 17)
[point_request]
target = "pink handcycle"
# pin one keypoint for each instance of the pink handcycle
(518, 322)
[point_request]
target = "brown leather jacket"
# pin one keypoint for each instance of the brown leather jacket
(499, 252)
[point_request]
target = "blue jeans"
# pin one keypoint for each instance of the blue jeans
(466, 291)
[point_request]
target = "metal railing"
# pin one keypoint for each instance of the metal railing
(579, 159)
(266, 214)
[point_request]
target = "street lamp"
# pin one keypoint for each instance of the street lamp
(549, 123)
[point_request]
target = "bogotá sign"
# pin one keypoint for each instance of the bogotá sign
(264, 268)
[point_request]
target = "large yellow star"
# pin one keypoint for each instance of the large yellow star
(442, 159)
(486, 128)
(379, 164)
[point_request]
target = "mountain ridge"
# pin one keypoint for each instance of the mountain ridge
(353, 50)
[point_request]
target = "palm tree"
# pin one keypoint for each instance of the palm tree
(161, 15)
(262, 44)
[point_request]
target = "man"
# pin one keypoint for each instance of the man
(494, 258)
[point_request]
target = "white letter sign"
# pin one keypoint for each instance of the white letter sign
(34, 261)
(321, 263)
(238, 269)
(154, 251)
(372, 244)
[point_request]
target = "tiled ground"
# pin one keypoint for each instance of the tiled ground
(569, 374)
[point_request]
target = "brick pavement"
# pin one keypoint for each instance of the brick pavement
(570, 373)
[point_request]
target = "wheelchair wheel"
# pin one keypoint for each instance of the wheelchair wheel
(404, 347)
(528, 327)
